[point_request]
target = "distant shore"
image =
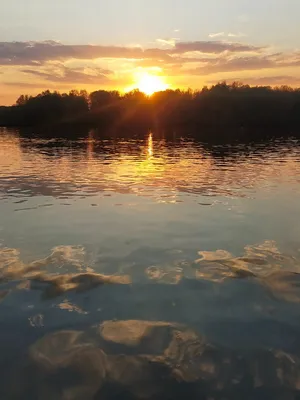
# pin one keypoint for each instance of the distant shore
(235, 106)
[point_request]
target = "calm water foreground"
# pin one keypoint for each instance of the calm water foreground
(149, 269)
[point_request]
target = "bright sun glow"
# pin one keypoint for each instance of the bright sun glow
(150, 84)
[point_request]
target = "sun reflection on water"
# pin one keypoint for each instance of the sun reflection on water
(150, 145)
(94, 165)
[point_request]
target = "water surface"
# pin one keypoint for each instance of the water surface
(168, 267)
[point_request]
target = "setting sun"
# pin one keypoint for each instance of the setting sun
(150, 84)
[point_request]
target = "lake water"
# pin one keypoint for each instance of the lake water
(149, 269)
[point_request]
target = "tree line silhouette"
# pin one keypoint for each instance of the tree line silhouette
(230, 105)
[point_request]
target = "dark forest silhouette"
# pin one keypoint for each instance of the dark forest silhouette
(234, 105)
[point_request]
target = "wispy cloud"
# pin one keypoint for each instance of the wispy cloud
(53, 64)
(215, 47)
(168, 42)
(258, 62)
(236, 35)
(236, 64)
(30, 53)
(226, 35)
(37, 53)
(28, 85)
(217, 35)
(67, 75)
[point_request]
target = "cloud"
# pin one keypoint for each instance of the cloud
(225, 35)
(241, 64)
(30, 53)
(233, 64)
(67, 75)
(167, 42)
(218, 34)
(54, 65)
(28, 85)
(236, 35)
(37, 53)
(215, 47)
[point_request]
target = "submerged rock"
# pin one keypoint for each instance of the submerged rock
(150, 360)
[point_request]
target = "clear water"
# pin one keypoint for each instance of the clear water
(149, 269)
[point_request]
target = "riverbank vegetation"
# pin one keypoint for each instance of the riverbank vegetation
(231, 105)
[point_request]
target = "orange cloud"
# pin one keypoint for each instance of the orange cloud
(54, 65)
(36, 53)
(68, 75)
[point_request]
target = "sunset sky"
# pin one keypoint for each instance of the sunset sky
(94, 44)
